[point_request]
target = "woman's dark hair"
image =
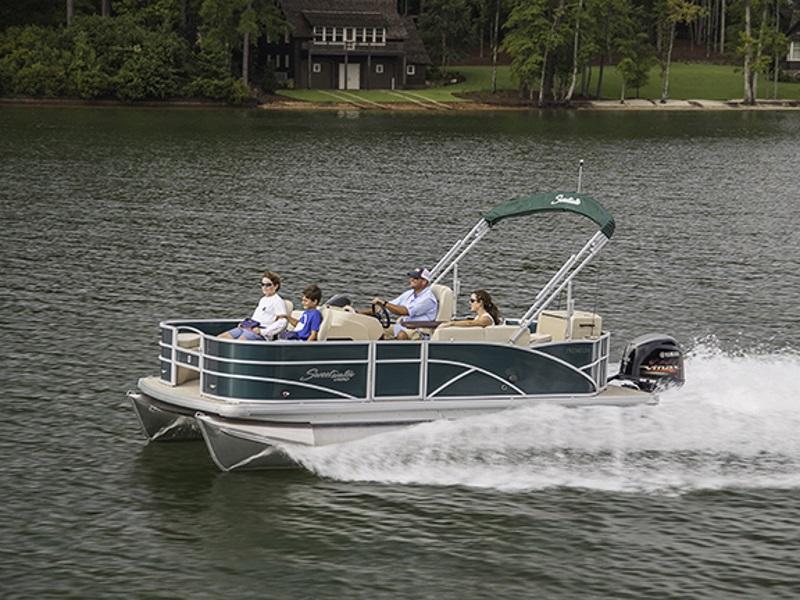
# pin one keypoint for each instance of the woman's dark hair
(488, 305)
(313, 292)
(274, 278)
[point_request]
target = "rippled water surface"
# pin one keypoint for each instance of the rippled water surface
(115, 219)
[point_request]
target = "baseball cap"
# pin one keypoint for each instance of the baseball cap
(420, 273)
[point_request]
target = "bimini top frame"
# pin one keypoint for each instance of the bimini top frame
(526, 205)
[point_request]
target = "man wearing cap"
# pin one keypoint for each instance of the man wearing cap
(415, 304)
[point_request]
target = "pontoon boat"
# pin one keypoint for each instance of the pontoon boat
(250, 399)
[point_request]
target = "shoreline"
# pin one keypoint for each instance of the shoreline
(635, 105)
(279, 104)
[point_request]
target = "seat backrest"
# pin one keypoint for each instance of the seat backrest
(444, 296)
(341, 324)
(325, 326)
(458, 334)
(584, 325)
(501, 334)
(289, 306)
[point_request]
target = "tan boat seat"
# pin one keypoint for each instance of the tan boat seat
(501, 334)
(343, 324)
(325, 326)
(496, 334)
(540, 338)
(190, 341)
(457, 334)
(445, 299)
(583, 325)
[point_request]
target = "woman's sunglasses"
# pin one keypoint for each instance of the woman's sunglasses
(266, 284)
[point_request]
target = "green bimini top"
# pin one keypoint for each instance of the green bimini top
(554, 201)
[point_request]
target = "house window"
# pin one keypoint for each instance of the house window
(286, 60)
(338, 34)
(349, 34)
(411, 69)
(361, 35)
(317, 68)
(286, 37)
(794, 51)
(319, 34)
(379, 68)
(376, 36)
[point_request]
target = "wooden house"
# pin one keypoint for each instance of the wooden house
(792, 63)
(348, 45)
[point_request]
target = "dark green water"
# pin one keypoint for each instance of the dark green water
(115, 219)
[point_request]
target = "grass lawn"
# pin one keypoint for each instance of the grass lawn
(697, 81)
(380, 96)
(687, 81)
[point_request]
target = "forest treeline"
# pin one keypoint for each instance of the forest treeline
(214, 49)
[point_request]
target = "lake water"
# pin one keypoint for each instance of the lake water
(114, 219)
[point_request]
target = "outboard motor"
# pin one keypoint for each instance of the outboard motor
(653, 362)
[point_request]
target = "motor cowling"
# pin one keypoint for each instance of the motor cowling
(653, 362)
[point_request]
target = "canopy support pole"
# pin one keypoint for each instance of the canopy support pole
(563, 276)
(460, 248)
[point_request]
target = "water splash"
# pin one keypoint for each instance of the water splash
(733, 425)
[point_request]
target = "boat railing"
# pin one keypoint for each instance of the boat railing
(562, 278)
(345, 370)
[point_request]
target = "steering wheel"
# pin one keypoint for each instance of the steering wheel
(383, 316)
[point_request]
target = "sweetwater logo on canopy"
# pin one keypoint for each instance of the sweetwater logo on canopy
(332, 375)
(561, 199)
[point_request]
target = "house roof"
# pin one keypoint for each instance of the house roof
(342, 19)
(303, 15)
(415, 49)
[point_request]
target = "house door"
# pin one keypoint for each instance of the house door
(351, 80)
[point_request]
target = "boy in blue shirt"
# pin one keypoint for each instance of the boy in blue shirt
(307, 326)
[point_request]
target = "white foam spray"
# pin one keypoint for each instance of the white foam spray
(735, 424)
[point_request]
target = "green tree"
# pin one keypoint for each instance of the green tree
(229, 24)
(758, 49)
(635, 65)
(88, 77)
(154, 15)
(541, 44)
(527, 33)
(34, 61)
(637, 54)
(609, 23)
(442, 24)
(669, 14)
(153, 68)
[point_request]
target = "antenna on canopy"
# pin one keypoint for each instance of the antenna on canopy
(580, 174)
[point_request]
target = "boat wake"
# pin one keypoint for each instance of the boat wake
(733, 425)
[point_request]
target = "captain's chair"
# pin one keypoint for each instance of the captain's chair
(444, 296)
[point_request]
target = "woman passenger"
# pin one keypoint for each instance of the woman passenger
(486, 313)
(264, 324)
